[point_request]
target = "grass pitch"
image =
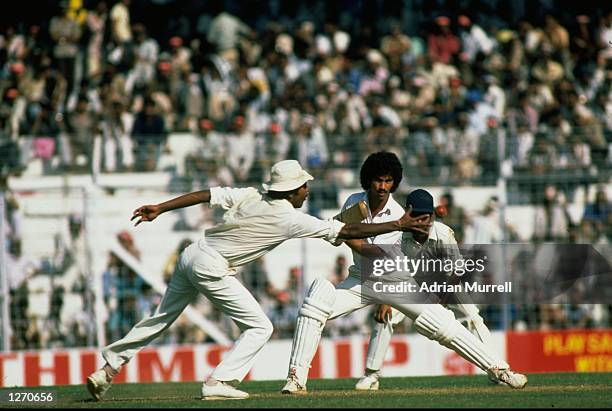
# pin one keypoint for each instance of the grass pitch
(582, 390)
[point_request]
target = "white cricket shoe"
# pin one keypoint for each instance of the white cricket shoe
(222, 391)
(98, 384)
(293, 386)
(368, 382)
(508, 377)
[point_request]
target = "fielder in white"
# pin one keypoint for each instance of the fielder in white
(253, 224)
(323, 302)
(414, 245)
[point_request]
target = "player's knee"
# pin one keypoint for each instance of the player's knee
(438, 324)
(319, 303)
(263, 329)
(267, 329)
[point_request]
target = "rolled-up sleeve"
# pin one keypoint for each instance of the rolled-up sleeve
(307, 226)
(226, 197)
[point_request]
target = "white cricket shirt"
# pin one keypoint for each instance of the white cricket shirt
(255, 224)
(441, 244)
(392, 211)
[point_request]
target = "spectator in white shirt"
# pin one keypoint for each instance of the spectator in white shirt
(312, 145)
(495, 96)
(485, 228)
(146, 51)
(120, 18)
(473, 38)
(224, 33)
(551, 220)
(240, 149)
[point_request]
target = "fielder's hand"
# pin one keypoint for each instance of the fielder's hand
(146, 213)
(383, 314)
(421, 223)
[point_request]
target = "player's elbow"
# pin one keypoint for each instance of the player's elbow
(355, 245)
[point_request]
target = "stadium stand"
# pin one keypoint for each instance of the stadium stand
(104, 106)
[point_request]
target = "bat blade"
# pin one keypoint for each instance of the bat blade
(354, 214)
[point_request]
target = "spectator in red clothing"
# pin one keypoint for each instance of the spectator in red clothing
(442, 44)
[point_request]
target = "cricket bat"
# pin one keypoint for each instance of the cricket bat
(354, 214)
(476, 323)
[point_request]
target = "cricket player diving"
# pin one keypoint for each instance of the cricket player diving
(254, 223)
(380, 175)
(415, 245)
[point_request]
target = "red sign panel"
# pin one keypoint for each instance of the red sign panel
(558, 351)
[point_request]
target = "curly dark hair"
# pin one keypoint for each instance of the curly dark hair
(380, 164)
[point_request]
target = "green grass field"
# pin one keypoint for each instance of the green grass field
(543, 390)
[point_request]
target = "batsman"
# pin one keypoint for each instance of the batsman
(439, 240)
(380, 176)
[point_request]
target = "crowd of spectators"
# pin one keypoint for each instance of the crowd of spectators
(92, 87)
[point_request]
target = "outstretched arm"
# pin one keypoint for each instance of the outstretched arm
(151, 211)
(405, 223)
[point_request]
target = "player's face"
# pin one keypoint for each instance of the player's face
(380, 187)
(297, 200)
(422, 237)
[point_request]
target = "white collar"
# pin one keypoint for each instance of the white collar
(282, 202)
(386, 209)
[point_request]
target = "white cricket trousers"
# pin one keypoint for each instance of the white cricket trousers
(202, 269)
(349, 297)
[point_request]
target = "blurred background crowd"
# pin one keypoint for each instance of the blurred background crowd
(324, 82)
(216, 92)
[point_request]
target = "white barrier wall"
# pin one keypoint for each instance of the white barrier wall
(409, 355)
(573, 350)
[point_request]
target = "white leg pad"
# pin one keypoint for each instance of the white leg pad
(439, 324)
(380, 339)
(315, 310)
(378, 346)
(319, 302)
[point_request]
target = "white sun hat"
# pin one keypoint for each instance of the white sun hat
(286, 175)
